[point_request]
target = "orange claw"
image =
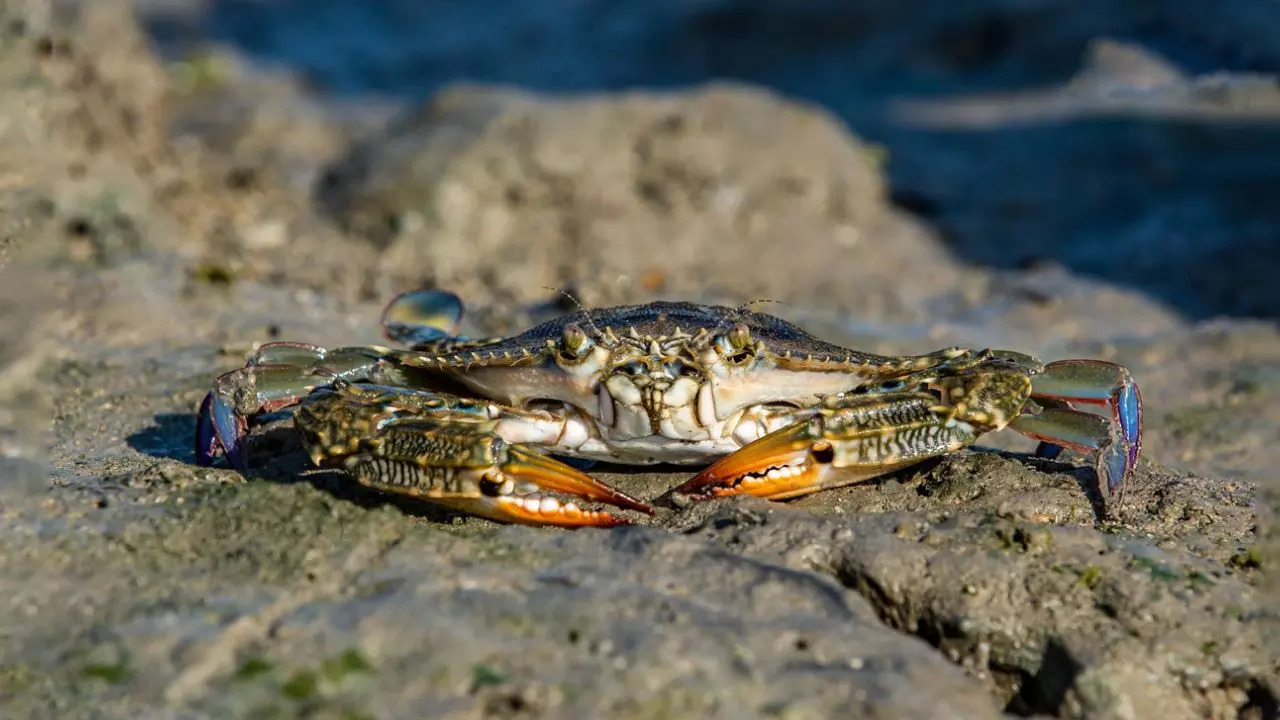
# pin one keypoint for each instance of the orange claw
(478, 474)
(556, 476)
(865, 436)
(786, 463)
(496, 494)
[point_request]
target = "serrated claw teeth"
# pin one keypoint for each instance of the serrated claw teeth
(546, 510)
(545, 474)
(783, 464)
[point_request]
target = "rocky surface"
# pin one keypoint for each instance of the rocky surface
(160, 219)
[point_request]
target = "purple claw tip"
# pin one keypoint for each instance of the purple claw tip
(219, 428)
(207, 444)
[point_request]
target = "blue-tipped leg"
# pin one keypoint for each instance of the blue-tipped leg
(264, 386)
(1115, 437)
(1122, 456)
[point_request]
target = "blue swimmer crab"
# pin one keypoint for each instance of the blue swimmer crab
(770, 410)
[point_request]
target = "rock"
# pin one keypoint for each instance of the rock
(1070, 622)
(639, 193)
(372, 611)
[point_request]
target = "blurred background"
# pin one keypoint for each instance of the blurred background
(1136, 143)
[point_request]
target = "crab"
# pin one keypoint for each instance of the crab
(764, 407)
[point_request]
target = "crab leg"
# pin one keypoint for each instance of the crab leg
(277, 375)
(447, 450)
(421, 317)
(1115, 438)
(875, 430)
(280, 374)
(866, 434)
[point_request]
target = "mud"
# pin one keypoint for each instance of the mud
(161, 218)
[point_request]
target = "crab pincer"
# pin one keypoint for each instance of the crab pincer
(220, 430)
(862, 436)
(462, 465)
(222, 421)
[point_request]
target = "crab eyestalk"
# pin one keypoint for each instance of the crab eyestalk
(575, 346)
(1114, 438)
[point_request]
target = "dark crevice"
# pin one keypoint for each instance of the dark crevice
(1261, 702)
(1025, 691)
(1043, 691)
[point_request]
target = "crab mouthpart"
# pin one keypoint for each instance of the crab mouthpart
(783, 464)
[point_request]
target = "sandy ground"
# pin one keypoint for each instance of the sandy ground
(159, 220)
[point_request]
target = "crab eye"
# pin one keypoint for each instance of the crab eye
(735, 345)
(575, 344)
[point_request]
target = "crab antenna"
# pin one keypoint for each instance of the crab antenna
(760, 301)
(743, 308)
(591, 323)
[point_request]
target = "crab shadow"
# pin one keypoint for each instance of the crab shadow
(170, 437)
(1085, 477)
